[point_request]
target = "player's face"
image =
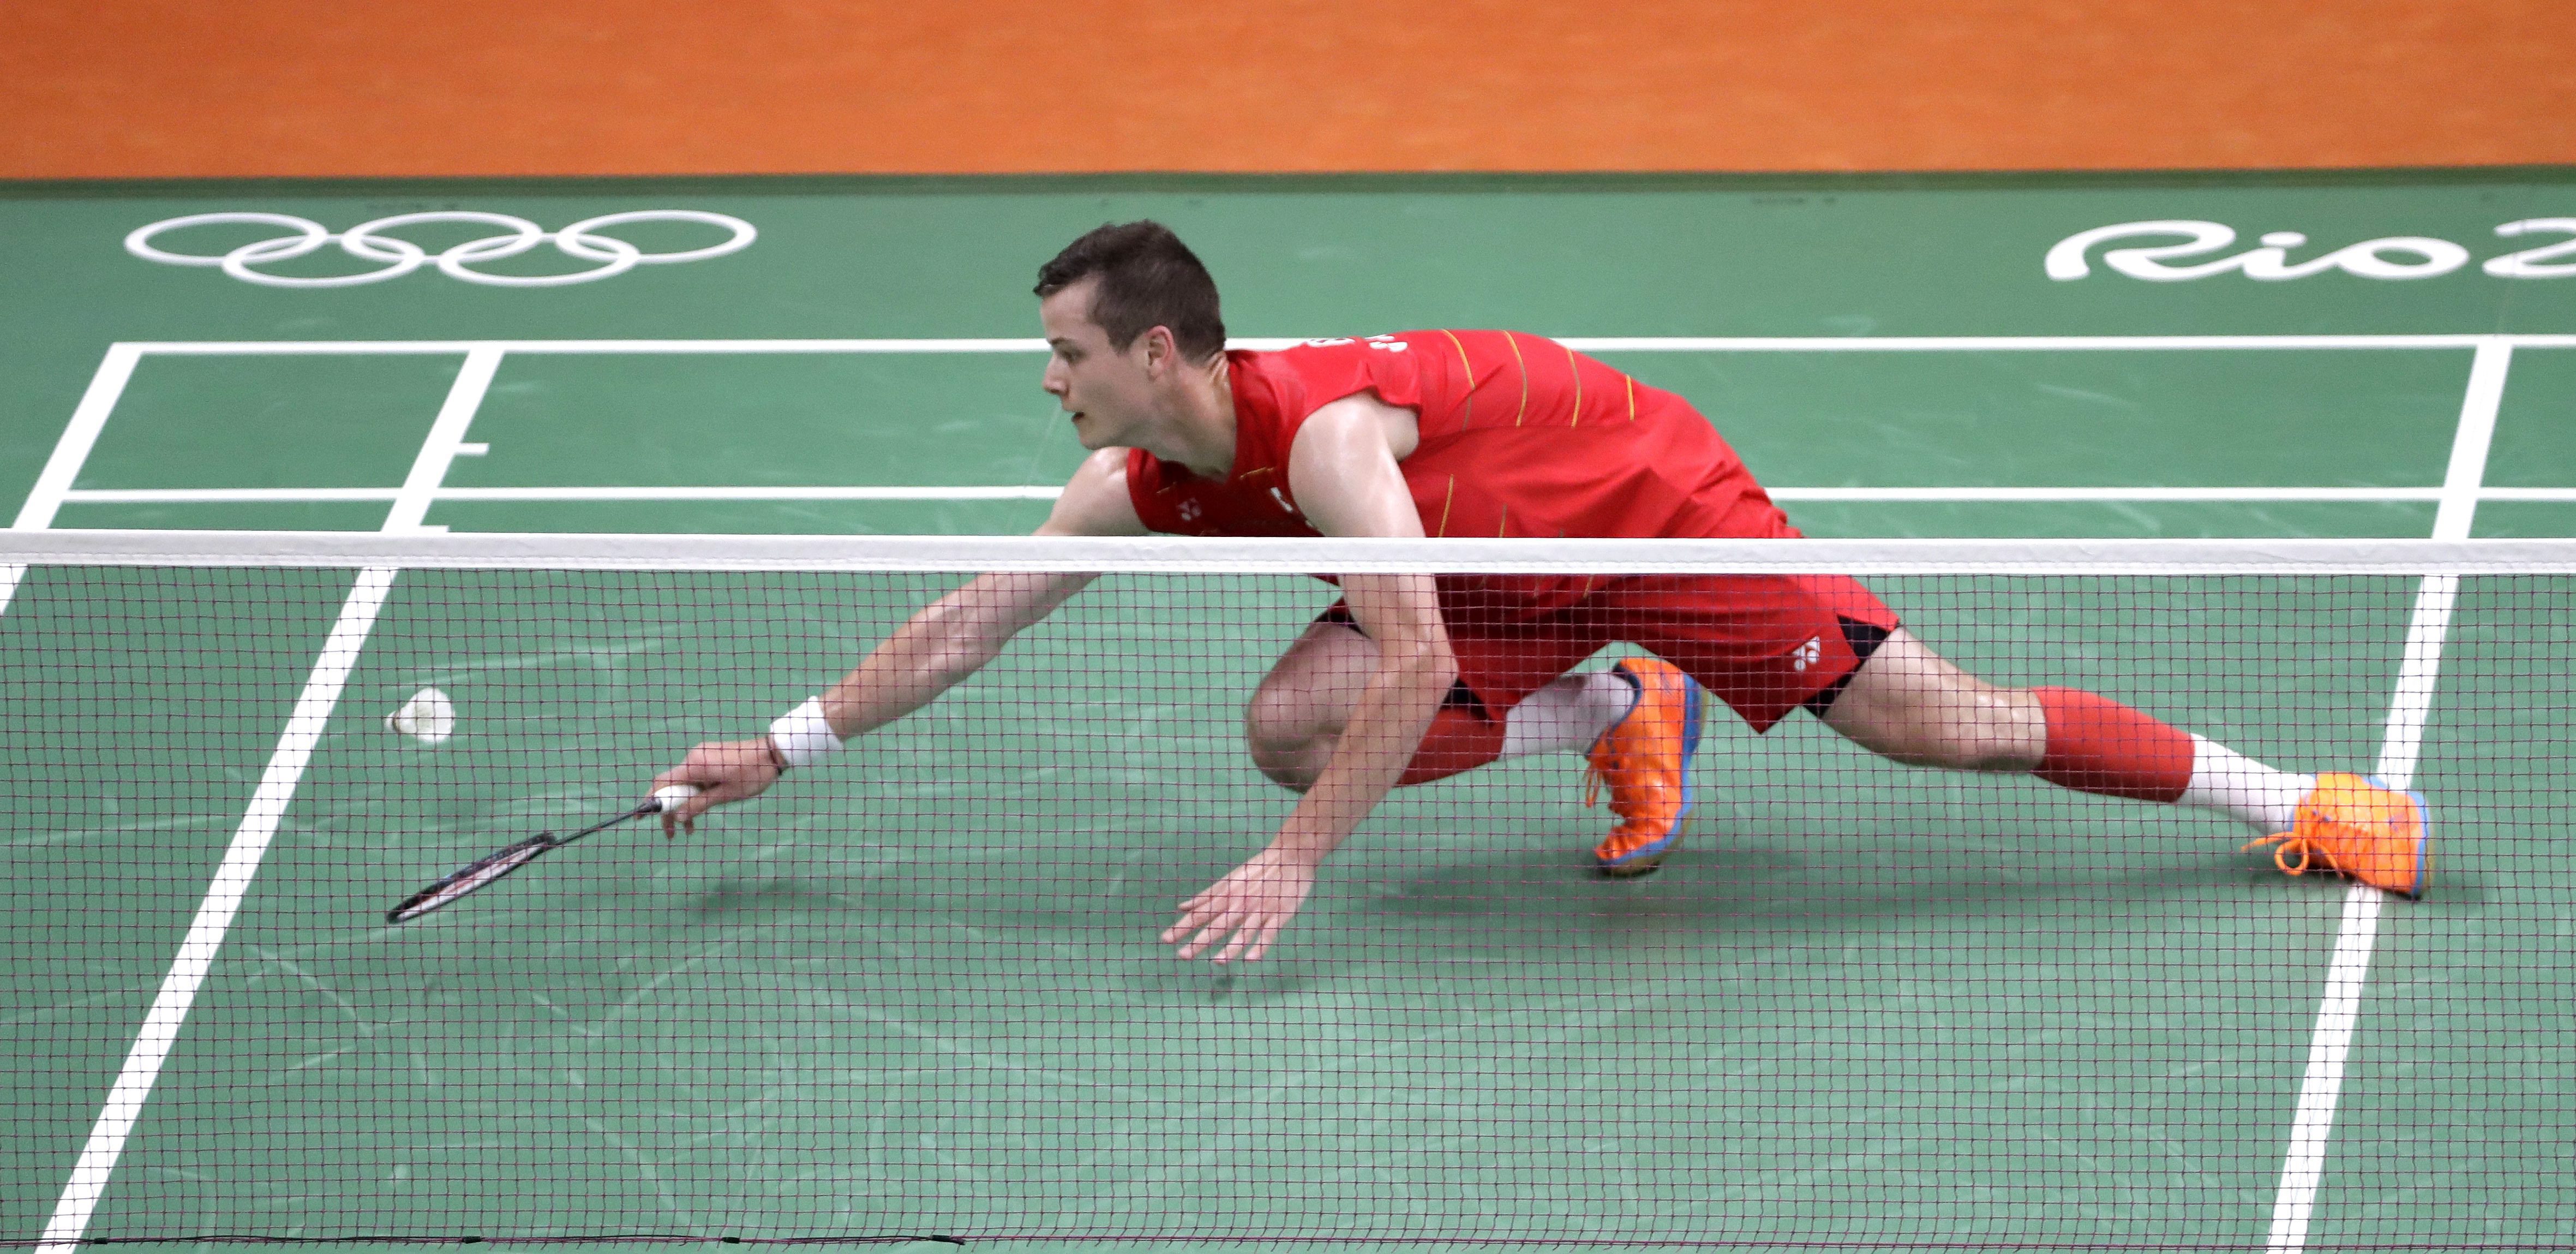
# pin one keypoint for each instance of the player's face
(1109, 393)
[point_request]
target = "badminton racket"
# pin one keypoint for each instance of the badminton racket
(492, 867)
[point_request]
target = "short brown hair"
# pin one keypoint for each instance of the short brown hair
(1148, 279)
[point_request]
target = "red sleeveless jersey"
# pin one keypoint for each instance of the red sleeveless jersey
(1520, 436)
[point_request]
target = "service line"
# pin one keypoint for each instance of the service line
(54, 486)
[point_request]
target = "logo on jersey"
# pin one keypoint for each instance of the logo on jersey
(1808, 654)
(1190, 511)
(1383, 343)
(2395, 257)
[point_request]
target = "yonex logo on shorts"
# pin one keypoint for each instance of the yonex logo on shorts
(585, 240)
(1808, 654)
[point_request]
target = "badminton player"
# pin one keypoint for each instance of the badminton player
(1411, 678)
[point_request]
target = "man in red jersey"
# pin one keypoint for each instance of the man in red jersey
(1413, 678)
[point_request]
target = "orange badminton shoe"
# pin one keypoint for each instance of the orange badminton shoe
(2360, 828)
(1645, 761)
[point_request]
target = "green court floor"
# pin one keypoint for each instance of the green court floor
(918, 991)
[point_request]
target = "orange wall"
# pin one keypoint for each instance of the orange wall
(125, 88)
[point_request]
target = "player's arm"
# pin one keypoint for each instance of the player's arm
(1343, 471)
(959, 633)
(932, 652)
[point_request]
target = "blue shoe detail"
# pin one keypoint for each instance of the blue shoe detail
(1655, 850)
(1693, 696)
(1691, 693)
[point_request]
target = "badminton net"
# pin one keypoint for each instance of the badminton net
(916, 989)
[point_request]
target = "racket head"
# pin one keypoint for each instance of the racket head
(484, 871)
(481, 873)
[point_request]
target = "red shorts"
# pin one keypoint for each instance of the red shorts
(1764, 644)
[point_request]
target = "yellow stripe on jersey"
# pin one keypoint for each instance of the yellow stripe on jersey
(1467, 368)
(1575, 368)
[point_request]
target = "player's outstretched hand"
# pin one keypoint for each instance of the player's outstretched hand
(1246, 910)
(723, 772)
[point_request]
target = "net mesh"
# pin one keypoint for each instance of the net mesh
(916, 990)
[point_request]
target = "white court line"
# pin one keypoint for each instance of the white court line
(1580, 343)
(2330, 1044)
(2040, 343)
(2078, 494)
(1008, 492)
(125, 1102)
(603, 492)
(222, 496)
(54, 487)
(741, 553)
(115, 370)
(71, 449)
(446, 435)
(2466, 475)
(760, 492)
(304, 727)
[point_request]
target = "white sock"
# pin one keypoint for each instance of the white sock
(1568, 714)
(2231, 783)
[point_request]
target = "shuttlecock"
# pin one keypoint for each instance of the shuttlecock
(429, 717)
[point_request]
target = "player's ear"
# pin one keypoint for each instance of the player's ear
(1161, 350)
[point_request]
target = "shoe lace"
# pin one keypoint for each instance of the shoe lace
(1597, 775)
(2284, 844)
(2299, 843)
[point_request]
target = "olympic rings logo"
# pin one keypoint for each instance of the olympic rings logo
(396, 257)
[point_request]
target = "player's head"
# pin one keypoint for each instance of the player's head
(1129, 314)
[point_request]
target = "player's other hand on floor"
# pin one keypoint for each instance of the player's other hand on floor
(723, 772)
(1246, 910)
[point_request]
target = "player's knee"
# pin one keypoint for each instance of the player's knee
(1296, 716)
(1293, 768)
(1290, 771)
(1282, 733)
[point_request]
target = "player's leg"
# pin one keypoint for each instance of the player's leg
(1904, 702)
(1770, 645)
(1908, 703)
(1296, 716)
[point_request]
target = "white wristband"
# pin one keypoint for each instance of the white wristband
(802, 734)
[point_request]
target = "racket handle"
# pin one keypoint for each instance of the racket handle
(669, 796)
